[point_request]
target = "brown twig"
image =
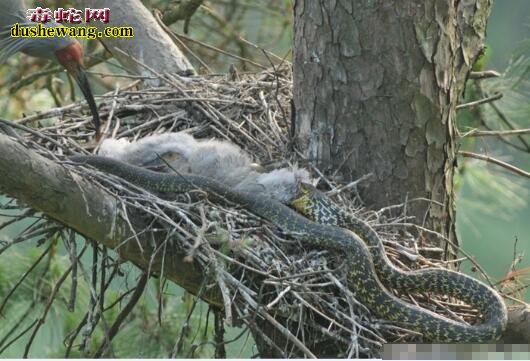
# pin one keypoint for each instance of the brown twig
(51, 299)
(495, 133)
(135, 297)
(475, 103)
(486, 74)
(496, 161)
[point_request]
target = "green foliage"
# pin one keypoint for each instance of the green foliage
(482, 60)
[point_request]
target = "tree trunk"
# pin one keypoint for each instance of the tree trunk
(376, 84)
(375, 89)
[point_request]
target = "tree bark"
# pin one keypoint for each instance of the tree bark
(376, 84)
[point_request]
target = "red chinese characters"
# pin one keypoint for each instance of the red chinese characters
(61, 15)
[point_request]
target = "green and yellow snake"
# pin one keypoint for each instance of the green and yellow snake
(369, 263)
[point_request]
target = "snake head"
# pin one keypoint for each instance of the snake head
(303, 202)
(317, 206)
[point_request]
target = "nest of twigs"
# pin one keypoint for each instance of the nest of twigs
(265, 274)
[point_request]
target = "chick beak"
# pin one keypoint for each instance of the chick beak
(160, 161)
(78, 73)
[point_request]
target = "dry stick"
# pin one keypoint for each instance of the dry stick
(257, 47)
(27, 214)
(285, 331)
(490, 99)
(499, 133)
(29, 130)
(452, 244)
(349, 185)
(106, 126)
(288, 335)
(22, 238)
(40, 320)
(19, 282)
(72, 250)
(93, 313)
(506, 121)
(16, 325)
(484, 74)
(158, 17)
(135, 297)
(220, 351)
(38, 288)
(498, 162)
(53, 112)
(19, 336)
(85, 318)
(119, 299)
(211, 47)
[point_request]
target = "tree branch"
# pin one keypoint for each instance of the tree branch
(475, 103)
(150, 44)
(498, 162)
(486, 74)
(64, 196)
(495, 133)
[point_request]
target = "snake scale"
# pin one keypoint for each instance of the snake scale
(369, 265)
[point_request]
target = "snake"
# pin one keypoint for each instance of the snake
(367, 269)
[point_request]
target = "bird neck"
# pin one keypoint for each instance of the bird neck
(71, 54)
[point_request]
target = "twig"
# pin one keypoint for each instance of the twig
(510, 125)
(475, 103)
(163, 21)
(220, 351)
(499, 133)
(498, 162)
(484, 74)
(135, 297)
(211, 47)
(23, 277)
(40, 320)
(349, 185)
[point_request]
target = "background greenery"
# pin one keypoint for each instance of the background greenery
(492, 206)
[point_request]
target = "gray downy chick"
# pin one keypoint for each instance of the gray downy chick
(151, 152)
(223, 161)
(219, 160)
(282, 184)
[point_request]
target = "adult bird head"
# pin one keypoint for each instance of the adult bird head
(64, 49)
(71, 58)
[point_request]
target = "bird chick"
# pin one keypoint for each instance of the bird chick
(151, 152)
(222, 161)
(283, 184)
(219, 160)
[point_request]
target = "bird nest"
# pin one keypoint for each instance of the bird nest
(267, 279)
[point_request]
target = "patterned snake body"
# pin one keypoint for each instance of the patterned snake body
(363, 276)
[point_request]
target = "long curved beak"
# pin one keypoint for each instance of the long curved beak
(78, 73)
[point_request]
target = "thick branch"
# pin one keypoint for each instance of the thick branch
(64, 196)
(150, 45)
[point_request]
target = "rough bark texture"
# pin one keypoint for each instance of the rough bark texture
(375, 89)
(150, 46)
